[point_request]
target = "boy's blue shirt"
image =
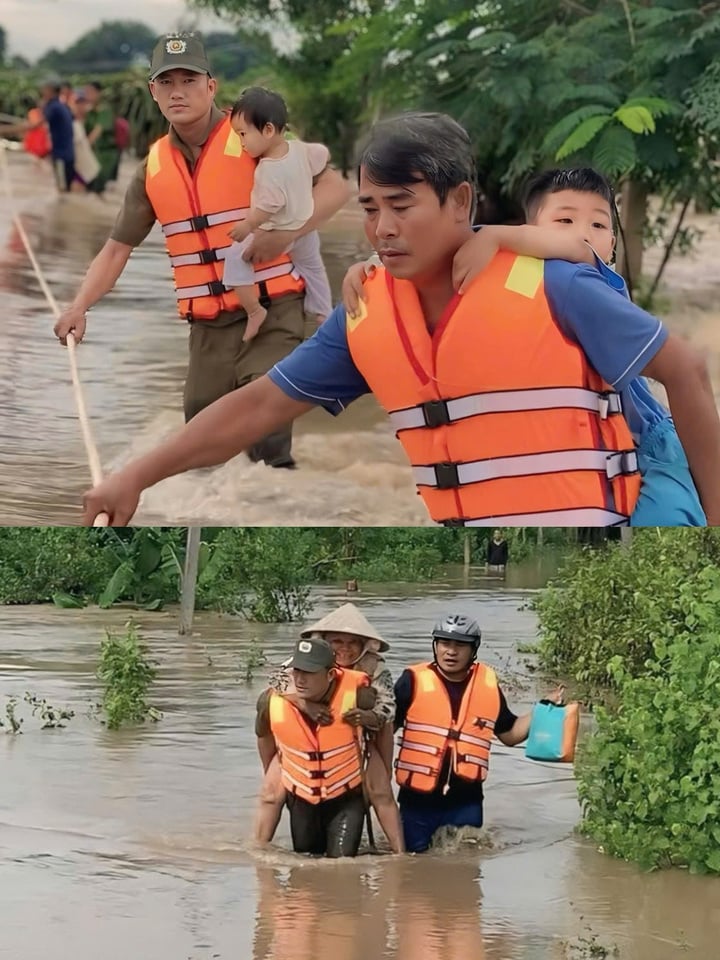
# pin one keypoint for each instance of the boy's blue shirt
(642, 409)
(618, 337)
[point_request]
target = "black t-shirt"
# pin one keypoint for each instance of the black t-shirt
(460, 791)
(497, 553)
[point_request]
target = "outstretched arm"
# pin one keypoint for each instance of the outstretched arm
(219, 432)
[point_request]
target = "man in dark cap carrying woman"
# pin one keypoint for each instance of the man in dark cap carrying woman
(355, 647)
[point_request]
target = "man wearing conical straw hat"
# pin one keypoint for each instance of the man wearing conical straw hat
(357, 646)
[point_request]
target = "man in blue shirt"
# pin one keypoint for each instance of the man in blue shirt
(419, 202)
(59, 119)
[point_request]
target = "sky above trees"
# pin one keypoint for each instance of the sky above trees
(32, 28)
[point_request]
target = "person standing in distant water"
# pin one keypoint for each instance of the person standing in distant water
(59, 119)
(497, 552)
(100, 129)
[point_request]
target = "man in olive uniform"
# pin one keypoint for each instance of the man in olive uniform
(184, 89)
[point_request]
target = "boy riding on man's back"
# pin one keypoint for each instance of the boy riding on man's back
(578, 206)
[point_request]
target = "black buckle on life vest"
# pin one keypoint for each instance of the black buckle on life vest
(452, 523)
(208, 256)
(453, 734)
(199, 223)
(314, 774)
(447, 476)
(216, 288)
(436, 413)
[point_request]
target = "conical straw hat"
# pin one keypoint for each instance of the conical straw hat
(347, 619)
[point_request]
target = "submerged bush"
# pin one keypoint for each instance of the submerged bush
(126, 674)
(649, 779)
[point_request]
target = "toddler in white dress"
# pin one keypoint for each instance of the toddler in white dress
(281, 200)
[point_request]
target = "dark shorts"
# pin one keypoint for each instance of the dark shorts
(332, 828)
(420, 823)
(220, 362)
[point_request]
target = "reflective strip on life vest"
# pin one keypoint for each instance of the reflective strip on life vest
(420, 747)
(413, 767)
(466, 758)
(584, 517)
(197, 259)
(427, 728)
(438, 413)
(336, 787)
(215, 289)
(479, 741)
(448, 475)
(202, 222)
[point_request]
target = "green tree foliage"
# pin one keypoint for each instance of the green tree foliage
(649, 778)
(38, 562)
(336, 63)
(110, 48)
(621, 602)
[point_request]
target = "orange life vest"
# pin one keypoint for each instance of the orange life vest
(430, 730)
(37, 141)
(196, 210)
(501, 416)
(323, 763)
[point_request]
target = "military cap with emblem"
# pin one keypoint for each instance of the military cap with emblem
(183, 51)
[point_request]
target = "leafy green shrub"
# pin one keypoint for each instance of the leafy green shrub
(263, 574)
(126, 675)
(39, 562)
(619, 600)
(649, 779)
(148, 567)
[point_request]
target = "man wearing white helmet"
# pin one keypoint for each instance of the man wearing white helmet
(449, 711)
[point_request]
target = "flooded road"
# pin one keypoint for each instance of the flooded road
(110, 842)
(132, 368)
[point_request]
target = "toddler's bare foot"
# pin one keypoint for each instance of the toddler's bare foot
(255, 320)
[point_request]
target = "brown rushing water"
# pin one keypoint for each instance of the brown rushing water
(132, 368)
(135, 843)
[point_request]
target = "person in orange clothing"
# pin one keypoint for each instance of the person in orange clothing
(536, 435)
(197, 182)
(320, 763)
(450, 711)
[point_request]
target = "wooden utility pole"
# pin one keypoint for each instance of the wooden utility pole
(189, 580)
(467, 552)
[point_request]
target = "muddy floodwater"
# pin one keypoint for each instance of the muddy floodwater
(135, 844)
(132, 365)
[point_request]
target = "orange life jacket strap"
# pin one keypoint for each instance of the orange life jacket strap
(439, 413)
(216, 288)
(446, 476)
(203, 221)
(582, 517)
